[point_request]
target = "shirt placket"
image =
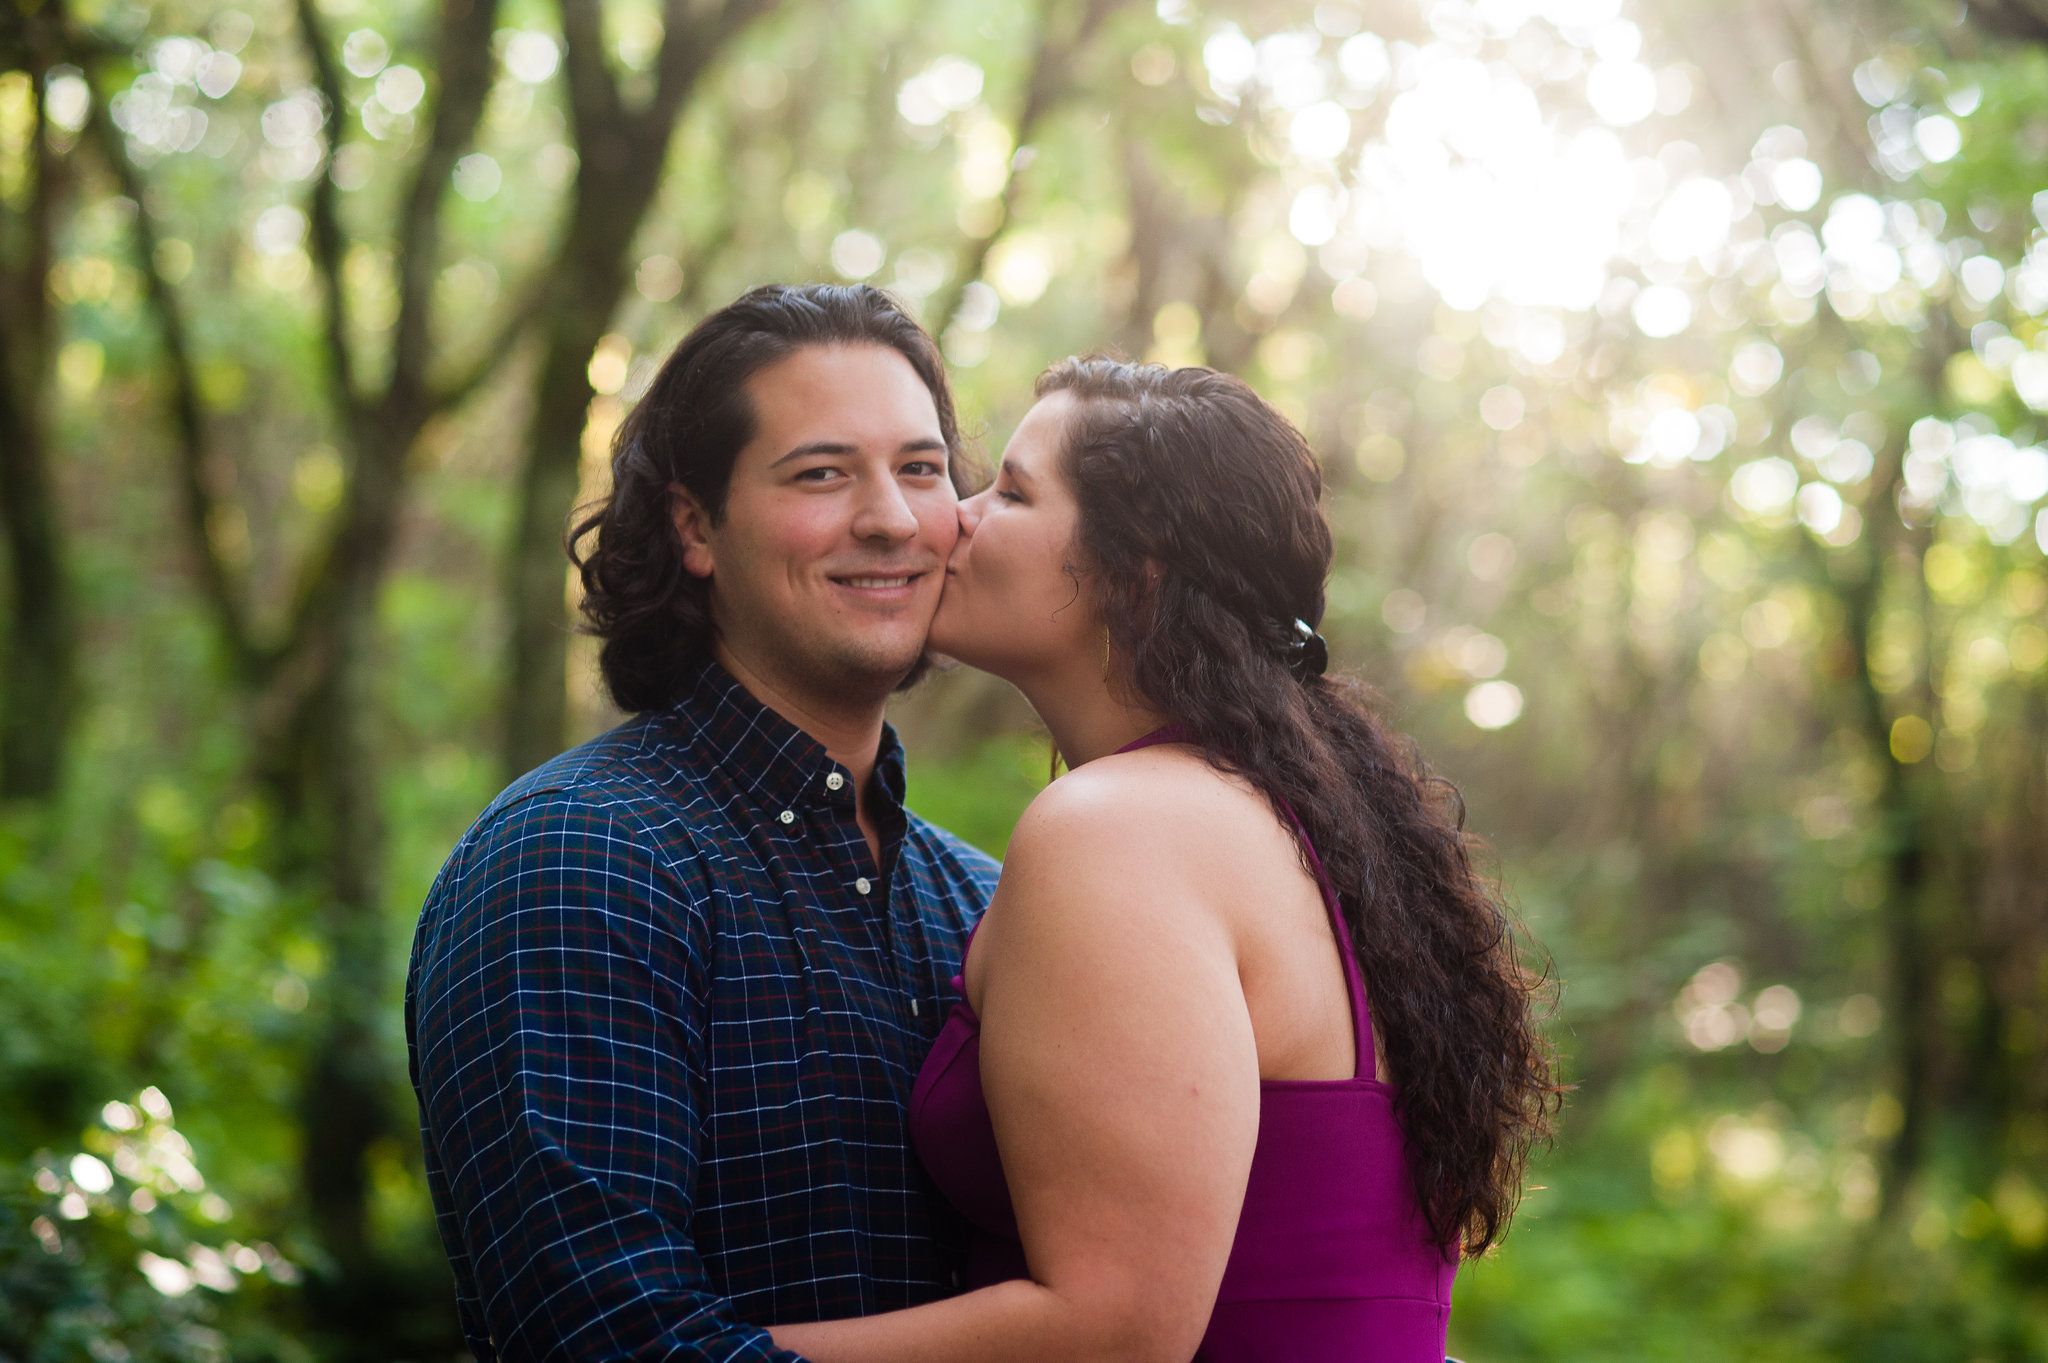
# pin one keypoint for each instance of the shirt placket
(855, 872)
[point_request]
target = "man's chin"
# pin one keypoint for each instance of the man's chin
(927, 663)
(880, 669)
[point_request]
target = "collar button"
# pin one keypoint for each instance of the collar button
(834, 781)
(787, 816)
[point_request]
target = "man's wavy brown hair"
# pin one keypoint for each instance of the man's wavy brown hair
(655, 617)
(1202, 541)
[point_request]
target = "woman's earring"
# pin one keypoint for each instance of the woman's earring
(1105, 652)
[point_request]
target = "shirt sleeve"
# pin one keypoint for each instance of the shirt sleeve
(557, 997)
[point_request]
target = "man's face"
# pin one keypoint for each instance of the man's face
(828, 561)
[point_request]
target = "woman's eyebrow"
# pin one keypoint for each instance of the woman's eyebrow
(1016, 471)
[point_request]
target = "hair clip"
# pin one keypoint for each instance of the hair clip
(1309, 653)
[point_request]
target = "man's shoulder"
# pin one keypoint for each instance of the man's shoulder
(642, 761)
(959, 865)
(635, 792)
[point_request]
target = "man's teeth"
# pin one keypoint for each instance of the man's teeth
(876, 581)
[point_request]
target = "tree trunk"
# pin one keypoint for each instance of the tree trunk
(327, 780)
(536, 702)
(37, 689)
(622, 152)
(1910, 1014)
(36, 693)
(309, 689)
(1048, 81)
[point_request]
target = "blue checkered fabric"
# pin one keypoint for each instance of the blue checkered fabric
(664, 1014)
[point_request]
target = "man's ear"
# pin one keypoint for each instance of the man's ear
(692, 530)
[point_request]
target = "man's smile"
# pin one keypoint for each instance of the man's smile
(902, 585)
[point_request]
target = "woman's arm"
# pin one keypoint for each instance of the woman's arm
(1122, 1076)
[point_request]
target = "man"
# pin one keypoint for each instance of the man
(669, 995)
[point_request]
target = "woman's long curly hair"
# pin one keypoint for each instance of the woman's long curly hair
(1202, 543)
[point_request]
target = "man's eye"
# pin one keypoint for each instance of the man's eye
(820, 474)
(924, 468)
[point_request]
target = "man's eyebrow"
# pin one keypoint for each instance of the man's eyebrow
(815, 447)
(839, 447)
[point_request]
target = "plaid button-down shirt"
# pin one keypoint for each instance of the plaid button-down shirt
(664, 1014)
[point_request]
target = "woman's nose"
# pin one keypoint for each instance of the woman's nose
(970, 511)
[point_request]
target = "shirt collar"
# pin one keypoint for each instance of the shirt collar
(778, 765)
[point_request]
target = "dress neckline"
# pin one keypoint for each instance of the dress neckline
(1166, 733)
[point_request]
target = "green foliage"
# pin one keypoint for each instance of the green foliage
(1734, 636)
(119, 1254)
(1660, 1234)
(980, 796)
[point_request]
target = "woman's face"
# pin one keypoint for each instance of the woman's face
(1013, 604)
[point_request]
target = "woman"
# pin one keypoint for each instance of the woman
(1244, 1060)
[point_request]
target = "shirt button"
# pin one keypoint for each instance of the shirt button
(863, 885)
(788, 816)
(834, 781)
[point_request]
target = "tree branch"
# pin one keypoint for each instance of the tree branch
(594, 103)
(698, 267)
(1052, 69)
(324, 222)
(1852, 125)
(219, 583)
(683, 59)
(381, 430)
(464, 65)
(867, 167)
(2019, 20)
(458, 389)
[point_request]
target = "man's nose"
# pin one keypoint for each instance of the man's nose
(884, 513)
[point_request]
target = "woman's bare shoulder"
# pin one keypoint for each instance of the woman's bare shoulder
(1164, 802)
(1125, 859)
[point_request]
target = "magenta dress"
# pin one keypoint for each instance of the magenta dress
(1332, 1261)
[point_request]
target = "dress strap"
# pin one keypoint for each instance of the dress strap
(1168, 733)
(1367, 1066)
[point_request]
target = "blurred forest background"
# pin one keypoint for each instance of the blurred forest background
(1677, 369)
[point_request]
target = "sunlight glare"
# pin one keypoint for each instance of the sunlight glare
(1693, 223)
(1493, 704)
(1321, 131)
(1797, 183)
(1287, 66)
(1230, 60)
(1314, 217)
(1621, 92)
(1662, 310)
